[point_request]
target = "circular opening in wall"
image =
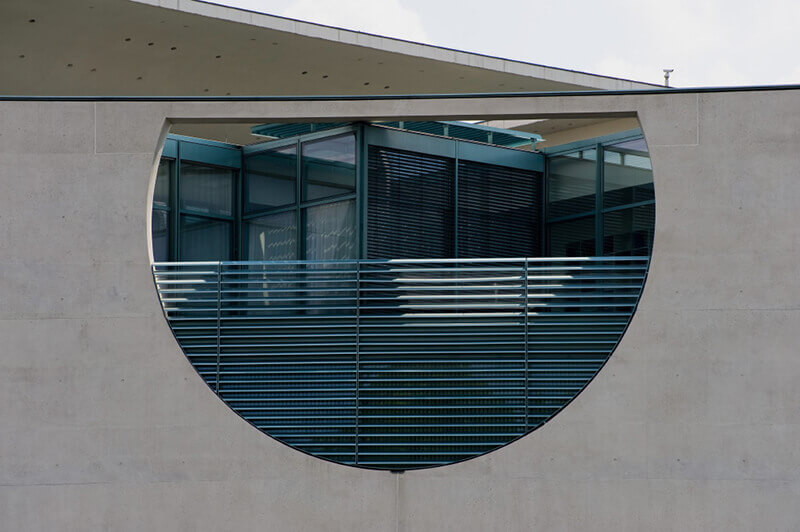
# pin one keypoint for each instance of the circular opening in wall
(401, 294)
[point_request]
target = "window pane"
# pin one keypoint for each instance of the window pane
(629, 232)
(628, 177)
(161, 194)
(331, 231)
(329, 167)
(271, 179)
(205, 239)
(160, 230)
(574, 238)
(206, 189)
(272, 237)
(571, 183)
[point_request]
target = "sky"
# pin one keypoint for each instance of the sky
(706, 42)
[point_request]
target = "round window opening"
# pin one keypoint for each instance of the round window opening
(400, 295)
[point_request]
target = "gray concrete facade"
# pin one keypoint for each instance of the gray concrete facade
(694, 423)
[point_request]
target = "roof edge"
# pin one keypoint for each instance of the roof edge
(366, 97)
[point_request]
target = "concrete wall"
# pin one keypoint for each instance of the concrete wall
(693, 424)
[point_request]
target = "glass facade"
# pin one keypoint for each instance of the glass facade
(272, 237)
(572, 183)
(161, 216)
(601, 199)
(299, 199)
(271, 179)
(195, 202)
(205, 238)
(572, 238)
(329, 167)
(160, 227)
(331, 231)
(311, 218)
(628, 176)
(206, 189)
(629, 231)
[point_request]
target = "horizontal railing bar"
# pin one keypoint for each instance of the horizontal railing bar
(353, 289)
(416, 361)
(409, 261)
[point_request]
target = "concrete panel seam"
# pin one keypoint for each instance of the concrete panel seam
(397, 503)
(697, 118)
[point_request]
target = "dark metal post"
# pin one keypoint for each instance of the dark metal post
(358, 353)
(219, 322)
(598, 201)
(527, 375)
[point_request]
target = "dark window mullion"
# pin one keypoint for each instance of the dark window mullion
(231, 228)
(200, 214)
(323, 201)
(175, 218)
(629, 206)
(598, 200)
(238, 178)
(569, 217)
(267, 212)
(298, 198)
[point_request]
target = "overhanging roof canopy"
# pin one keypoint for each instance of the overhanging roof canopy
(186, 47)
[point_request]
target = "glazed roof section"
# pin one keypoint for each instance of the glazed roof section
(452, 129)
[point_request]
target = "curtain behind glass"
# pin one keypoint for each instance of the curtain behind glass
(272, 237)
(206, 189)
(331, 231)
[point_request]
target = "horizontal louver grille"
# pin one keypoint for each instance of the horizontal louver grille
(399, 364)
(498, 211)
(410, 205)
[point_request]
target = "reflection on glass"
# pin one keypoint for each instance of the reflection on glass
(206, 189)
(272, 237)
(331, 231)
(160, 231)
(329, 167)
(629, 231)
(574, 238)
(161, 193)
(628, 177)
(571, 184)
(639, 145)
(204, 239)
(271, 179)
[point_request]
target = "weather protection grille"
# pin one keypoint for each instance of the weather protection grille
(400, 364)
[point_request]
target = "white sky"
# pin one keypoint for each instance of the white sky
(707, 42)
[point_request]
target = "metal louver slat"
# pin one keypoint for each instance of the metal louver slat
(400, 364)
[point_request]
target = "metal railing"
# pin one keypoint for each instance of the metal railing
(400, 364)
